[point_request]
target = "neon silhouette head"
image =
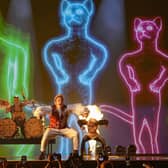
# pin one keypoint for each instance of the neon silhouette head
(146, 30)
(76, 14)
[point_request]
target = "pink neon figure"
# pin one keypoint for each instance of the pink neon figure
(145, 72)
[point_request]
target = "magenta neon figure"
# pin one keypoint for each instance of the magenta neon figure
(145, 73)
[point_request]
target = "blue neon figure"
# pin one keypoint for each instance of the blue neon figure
(75, 59)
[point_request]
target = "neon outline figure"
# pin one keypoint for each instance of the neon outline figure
(75, 59)
(145, 73)
(14, 72)
(14, 69)
(15, 83)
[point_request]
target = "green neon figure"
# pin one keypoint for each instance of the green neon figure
(15, 63)
(14, 70)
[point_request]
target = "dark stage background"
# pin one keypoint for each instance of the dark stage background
(111, 25)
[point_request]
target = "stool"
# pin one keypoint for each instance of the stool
(50, 143)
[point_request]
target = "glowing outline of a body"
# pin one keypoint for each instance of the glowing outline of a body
(155, 86)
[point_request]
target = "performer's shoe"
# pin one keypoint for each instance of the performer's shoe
(42, 156)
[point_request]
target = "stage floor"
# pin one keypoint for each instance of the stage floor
(158, 161)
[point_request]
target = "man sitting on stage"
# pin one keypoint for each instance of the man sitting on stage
(58, 126)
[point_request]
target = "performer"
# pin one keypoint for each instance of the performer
(18, 115)
(89, 120)
(92, 134)
(58, 126)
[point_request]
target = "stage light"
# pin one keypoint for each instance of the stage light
(108, 150)
(120, 150)
(131, 150)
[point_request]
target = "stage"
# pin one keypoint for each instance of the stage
(88, 161)
(158, 161)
